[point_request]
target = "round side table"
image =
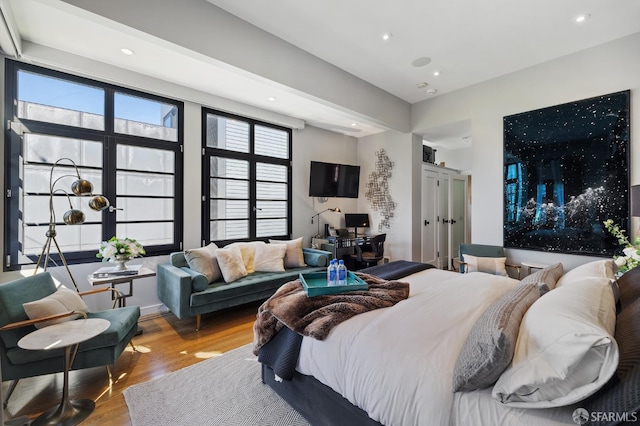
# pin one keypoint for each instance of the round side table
(65, 335)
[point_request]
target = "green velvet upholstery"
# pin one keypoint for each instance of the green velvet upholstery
(177, 291)
(18, 363)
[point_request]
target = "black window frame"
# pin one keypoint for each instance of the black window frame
(14, 129)
(252, 158)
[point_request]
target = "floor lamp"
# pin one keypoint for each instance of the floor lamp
(337, 210)
(79, 187)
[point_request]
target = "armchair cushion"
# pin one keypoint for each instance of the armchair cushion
(491, 265)
(63, 300)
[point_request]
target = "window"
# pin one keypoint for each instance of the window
(247, 179)
(126, 143)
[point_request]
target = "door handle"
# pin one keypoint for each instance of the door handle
(453, 221)
(426, 222)
(445, 221)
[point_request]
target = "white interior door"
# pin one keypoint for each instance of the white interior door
(429, 217)
(458, 211)
(444, 226)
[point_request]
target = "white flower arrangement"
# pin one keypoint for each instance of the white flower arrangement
(631, 252)
(115, 248)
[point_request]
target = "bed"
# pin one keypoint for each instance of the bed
(398, 365)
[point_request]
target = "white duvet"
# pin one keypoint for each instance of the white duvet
(397, 363)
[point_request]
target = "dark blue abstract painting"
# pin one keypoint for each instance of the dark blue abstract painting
(566, 170)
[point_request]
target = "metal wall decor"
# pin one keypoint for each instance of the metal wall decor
(378, 190)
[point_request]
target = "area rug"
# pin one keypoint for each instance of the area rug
(225, 390)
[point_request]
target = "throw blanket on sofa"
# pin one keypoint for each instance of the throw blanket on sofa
(316, 316)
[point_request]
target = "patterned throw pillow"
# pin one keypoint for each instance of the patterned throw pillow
(548, 276)
(491, 343)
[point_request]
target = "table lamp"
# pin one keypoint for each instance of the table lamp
(336, 210)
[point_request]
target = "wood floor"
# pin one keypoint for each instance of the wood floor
(167, 344)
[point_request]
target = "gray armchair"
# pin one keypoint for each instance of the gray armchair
(18, 363)
(482, 250)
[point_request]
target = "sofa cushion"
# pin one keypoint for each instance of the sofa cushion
(247, 252)
(294, 257)
(257, 282)
(204, 260)
(231, 264)
(270, 257)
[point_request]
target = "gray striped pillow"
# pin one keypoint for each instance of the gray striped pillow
(549, 276)
(491, 343)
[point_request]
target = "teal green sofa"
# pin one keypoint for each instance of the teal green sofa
(188, 293)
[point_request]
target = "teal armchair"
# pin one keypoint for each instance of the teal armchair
(18, 363)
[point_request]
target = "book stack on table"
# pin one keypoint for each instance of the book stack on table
(112, 271)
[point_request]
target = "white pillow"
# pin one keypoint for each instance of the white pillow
(294, 257)
(60, 302)
(491, 265)
(231, 264)
(204, 260)
(565, 350)
(270, 257)
(605, 268)
(248, 253)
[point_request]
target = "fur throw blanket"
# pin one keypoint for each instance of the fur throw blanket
(316, 316)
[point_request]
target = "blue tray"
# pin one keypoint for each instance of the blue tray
(315, 284)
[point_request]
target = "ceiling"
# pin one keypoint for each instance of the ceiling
(466, 40)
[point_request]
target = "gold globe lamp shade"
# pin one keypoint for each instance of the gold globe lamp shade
(73, 217)
(81, 187)
(98, 203)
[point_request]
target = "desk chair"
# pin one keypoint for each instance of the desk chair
(370, 258)
(482, 250)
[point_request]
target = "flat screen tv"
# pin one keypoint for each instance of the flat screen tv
(334, 180)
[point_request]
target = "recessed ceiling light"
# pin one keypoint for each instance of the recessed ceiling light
(421, 62)
(354, 124)
(387, 36)
(127, 51)
(432, 91)
(422, 85)
(582, 18)
(271, 98)
(436, 73)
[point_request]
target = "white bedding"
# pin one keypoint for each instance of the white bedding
(415, 344)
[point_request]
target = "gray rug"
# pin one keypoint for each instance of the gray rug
(225, 390)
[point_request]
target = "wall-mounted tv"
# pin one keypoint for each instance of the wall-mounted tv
(334, 180)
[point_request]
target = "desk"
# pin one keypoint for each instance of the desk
(65, 335)
(343, 248)
(142, 272)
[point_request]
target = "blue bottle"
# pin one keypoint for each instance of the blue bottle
(332, 273)
(342, 273)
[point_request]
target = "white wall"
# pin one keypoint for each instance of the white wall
(405, 151)
(607, 68)
(319, 145)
